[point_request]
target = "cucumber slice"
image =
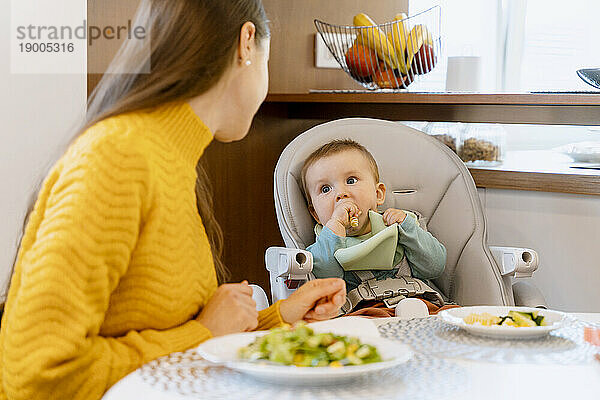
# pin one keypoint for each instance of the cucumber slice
(534, 316)
(522, 319)
(526, 314)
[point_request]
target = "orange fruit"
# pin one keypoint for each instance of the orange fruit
(386, 79)
(361, 60)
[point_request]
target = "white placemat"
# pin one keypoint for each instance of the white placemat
(188, 375)
(434, 337)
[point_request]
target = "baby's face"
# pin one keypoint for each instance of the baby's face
(340, 177)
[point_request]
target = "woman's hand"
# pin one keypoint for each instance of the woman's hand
(231, 309)
(316, 300)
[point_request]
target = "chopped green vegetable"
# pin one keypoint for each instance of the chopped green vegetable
(302, 347)
(522, 319)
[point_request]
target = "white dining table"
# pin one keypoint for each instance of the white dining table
(481, 380)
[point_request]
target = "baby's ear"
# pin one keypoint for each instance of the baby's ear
(312, 212)
(380, 193)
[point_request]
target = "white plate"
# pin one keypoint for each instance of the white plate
(585, 157)
(224, 350)
(454, 316)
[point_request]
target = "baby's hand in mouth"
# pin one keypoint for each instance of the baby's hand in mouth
(345, 216)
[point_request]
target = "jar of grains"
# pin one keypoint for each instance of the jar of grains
(482, 144)
(445, 132)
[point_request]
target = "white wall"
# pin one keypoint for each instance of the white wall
(37, 115)
(564, 229)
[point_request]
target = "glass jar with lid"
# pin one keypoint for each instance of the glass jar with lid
(446, 132)
(482, 144)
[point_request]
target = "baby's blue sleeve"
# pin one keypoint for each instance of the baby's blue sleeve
(425, 254)
(324, 263)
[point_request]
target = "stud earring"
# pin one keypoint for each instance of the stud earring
(248, 62)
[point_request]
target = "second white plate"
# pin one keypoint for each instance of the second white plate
(454, 316)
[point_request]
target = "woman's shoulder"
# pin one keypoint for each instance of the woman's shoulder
(109, 148)
(117, 137)
(124, 131)
(104, 160)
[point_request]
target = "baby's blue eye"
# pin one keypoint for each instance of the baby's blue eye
(351, 181)
(325, 189)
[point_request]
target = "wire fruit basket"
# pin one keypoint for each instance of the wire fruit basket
(386, 56)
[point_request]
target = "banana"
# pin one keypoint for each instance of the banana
(397, 36)
(375, 39)
(418, 36)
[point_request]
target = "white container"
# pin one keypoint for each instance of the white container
(446, 132)
(463, 74)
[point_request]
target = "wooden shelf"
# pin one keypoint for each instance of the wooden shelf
(440, 98)
(510, 108)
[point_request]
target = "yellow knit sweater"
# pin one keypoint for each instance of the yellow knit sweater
(115, 262)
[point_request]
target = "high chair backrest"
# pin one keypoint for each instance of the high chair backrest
(421, 174)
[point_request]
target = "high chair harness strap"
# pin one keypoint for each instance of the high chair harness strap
(390, 291)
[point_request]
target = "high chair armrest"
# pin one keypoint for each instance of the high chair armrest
(289, 263)
(288, 268)
(519, 262)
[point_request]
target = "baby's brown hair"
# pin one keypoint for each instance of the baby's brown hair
(334, 147)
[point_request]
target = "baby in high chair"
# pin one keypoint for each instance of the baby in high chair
(372, 252)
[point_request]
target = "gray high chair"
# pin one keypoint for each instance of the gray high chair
(421, 174)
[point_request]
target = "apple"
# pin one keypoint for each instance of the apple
(361, 61)
(424, 60)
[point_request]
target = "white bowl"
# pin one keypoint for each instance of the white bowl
(582, 151)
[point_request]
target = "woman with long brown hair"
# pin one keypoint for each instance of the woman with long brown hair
(119, 262)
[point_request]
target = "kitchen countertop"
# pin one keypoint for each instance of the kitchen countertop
(538, 170)
(542, 161)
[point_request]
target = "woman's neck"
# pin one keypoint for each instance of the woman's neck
(209, 108)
